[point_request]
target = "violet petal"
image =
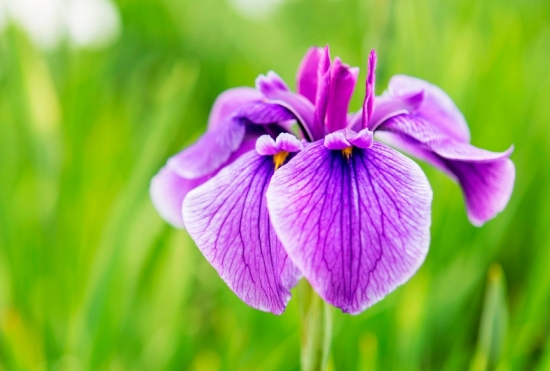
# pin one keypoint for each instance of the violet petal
(270, 83)
(167, 190)
(306, 79)
(343, 79)
(436, 106)
(211, 150)
(487, 178)
(229, 102)
(356, 227)
(323, 93)
(228, 219)
(215, 147)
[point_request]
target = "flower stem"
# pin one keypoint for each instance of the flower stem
(316, 317)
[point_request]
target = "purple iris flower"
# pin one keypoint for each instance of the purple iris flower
(317, 196)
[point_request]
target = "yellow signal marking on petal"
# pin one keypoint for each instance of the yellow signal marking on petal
(279, 159)
(347, 152)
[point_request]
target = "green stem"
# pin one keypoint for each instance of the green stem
(316, 318)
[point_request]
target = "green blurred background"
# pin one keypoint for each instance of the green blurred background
(92, 279)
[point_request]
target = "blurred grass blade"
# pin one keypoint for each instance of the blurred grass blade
(493, 324)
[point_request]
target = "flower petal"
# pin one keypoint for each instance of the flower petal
(487, 178)
(356, 228)
(368, 103)
(322, 97)
(307, 74)
(436, 106)
(228, 219)
(301, 108)
(343, 79)
(270, 84)
(168, 190)
(229, 102)
(211, 150)
(215, 147)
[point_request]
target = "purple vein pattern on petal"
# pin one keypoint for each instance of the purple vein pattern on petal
(436, 106)
(228, 219)
(306, 79)
(357, 229)
(487, 178)
(229, 102)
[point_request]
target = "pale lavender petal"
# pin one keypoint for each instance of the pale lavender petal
(289, 143)
(343, 79)
(363, 139)
(337, 140)
(345, 138)
(307, 73)
(356, 228)
(167, 190)
(215, 147)
(436, 106)
(229, 102)
(211, 150)
(270, 84)
(228, 219)
(487, 178)
(266, 146)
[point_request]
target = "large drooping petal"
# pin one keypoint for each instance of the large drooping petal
(356, 228)
(215, 147)
(228, 219)
(487, 178)
(229, 102)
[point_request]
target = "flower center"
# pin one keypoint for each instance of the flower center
(279, 159)
(347, 152)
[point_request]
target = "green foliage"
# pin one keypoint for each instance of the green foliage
(92, 279)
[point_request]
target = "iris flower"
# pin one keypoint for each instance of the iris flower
(287, 185)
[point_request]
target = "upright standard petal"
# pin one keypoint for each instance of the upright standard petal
(487, 178)
(228, 219)
(368, 103)
(323, 93)
(356, 227)
(306, 79)
(215, 147)
(342, 84)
